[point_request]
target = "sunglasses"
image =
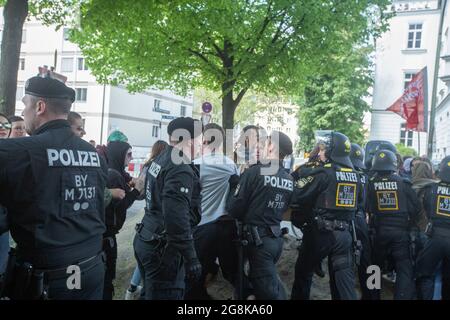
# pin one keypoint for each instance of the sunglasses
(5, 125)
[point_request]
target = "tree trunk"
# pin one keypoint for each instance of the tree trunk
(228, 108)
(14, 13)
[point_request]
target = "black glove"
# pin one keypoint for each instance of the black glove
(233, 181)
(193, 269)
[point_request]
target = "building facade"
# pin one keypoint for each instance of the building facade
(143, 117)
(441, 139)
(408, 46)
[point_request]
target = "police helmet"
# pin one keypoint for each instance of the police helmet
(444, 169)
(337, 147)
(373, 146)
(357, 156)
(384, 160)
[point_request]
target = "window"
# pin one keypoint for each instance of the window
(66, 64)
(22, 64)
(82, 64)
(406, 137)
(183, 111)
(407, 79)
(81, 94)
(415, 36)
(155, 131)
(20, 92)
(66, 34)
(24, 36)
(156, 105)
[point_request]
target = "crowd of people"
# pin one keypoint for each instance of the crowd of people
(64, 200)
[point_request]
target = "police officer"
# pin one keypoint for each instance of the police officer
(164, 245)
(362, 230)
(259, 201)
(331, 195)
(52, 185)
(436, 203)
(393, 208)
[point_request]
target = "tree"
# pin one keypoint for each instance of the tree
(336, 101)
(15, 12)
(405, 151)
(269, 46)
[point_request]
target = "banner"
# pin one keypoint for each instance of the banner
(413, 104)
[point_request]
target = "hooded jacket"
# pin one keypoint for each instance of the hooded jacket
(116, 211)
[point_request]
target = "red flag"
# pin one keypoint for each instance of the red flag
(412, 105)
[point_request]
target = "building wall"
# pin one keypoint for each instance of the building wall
(394, 59)
(442, 120)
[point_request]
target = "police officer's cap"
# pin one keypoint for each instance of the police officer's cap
(192, 126)
(357, 156)
(48, 88)
(444, 169)
(384, 160)
(284, 142)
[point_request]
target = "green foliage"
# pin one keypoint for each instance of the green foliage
(267, 46)
(405, 151)
(335, 101)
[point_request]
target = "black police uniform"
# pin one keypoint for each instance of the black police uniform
(331, 193)
(362, 229)
(393, 207)
(164, 245)
(436, 203)
(52, 184)
(259, 201)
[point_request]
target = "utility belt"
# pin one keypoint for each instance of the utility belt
(253, 234)
(148, 233)
(24, 281)
(437, 230)
(60, 257)
(390, 222)
(324, 224)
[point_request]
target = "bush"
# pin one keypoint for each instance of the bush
(405, 151)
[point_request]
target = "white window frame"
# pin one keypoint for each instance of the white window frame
(81, 94)
(20, 92)
(183, 110)
(415, 34)
(81, 62)
(407, 77)
(155, 131)
(407, 140)
(62, 64)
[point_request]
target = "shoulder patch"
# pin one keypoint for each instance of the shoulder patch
(154, 169)
(304, 181)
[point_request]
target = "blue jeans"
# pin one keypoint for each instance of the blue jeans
(4, 250)
(136, 278)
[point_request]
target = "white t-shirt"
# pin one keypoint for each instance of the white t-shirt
(215, 170)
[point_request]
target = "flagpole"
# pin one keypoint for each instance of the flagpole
(418, 142)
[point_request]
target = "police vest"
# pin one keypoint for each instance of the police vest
(440, 200)
(388, 200)
(342, 191)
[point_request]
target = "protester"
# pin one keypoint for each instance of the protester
(18, 127)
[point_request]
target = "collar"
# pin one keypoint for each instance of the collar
(54, 124)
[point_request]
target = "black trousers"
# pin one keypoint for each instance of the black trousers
(91, 287)
(316, 245)
(263, 271)
(214, 240)
(161, 267)
(436, 250)
(110, 249)
(394, 243)
(362, 234)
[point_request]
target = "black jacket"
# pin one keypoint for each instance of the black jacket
(174, 203)
(52, 185)
(260, 199)
(116, 211)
